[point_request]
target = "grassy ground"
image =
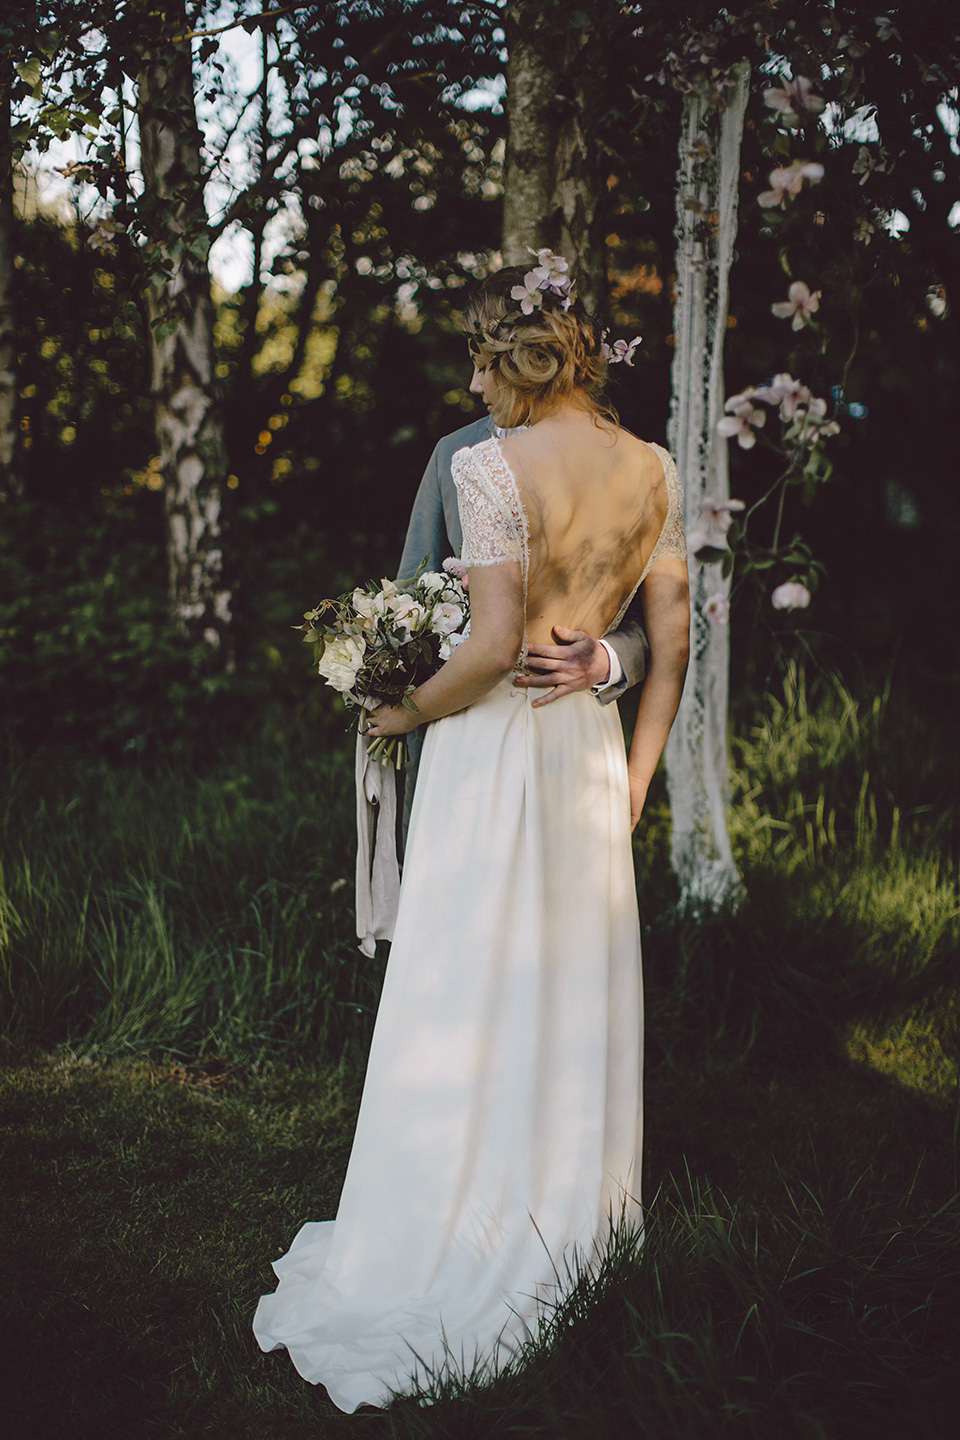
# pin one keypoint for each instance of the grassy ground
(186, 1019)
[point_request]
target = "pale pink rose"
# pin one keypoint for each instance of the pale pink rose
(791, 595)
(407, 613)
(446, 618)
(801, 305)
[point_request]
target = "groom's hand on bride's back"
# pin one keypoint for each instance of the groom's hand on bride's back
(575, 663)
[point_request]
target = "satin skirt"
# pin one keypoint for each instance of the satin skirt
(500, 1127)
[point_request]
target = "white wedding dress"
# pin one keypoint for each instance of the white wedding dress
(500, 1128)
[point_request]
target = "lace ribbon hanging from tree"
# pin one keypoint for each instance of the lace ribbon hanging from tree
(697, 757)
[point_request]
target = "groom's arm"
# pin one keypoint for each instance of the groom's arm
(632, 648)
(427, 531)
(579, 662)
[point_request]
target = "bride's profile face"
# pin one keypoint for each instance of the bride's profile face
(484, 384)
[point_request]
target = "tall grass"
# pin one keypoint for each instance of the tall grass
(184, 911)
(213, 910)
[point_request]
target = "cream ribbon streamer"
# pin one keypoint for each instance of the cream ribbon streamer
(378, 869)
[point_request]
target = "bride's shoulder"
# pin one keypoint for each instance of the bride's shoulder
(473, 462)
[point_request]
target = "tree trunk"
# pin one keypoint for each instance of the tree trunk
(552, 183)
(697, 755)
(189, 422)
(9, 435)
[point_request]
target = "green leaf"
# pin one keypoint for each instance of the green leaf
(29, 72)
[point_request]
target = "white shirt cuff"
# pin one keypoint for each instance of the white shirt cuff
(616, 670)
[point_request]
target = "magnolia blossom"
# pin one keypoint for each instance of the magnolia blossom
(815, 416)
(445, 618)
(717, 609)
(791, 395)
(710, 528)
(801, 305)
(787, 181)
(549, 274)
(620, 350)
(792, 595)
(740, 422)
(551, 271)
(528, 294)
(792, 98)
(341, 659)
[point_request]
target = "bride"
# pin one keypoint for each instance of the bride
(500, 1128)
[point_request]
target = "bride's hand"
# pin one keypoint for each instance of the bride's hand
(638, 794)
(390, 720)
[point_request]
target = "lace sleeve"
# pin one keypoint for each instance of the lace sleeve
(490, 528)
(672, 540)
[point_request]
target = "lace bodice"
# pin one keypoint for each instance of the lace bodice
(495, 526)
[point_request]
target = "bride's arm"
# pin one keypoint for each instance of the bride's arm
(666, 606)
(486, 657)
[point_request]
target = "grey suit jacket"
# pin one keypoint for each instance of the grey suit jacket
(434, 533)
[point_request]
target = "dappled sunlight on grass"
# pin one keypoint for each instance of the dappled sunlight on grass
(187, 1020)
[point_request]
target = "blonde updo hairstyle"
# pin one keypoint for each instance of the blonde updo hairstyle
(541, 360)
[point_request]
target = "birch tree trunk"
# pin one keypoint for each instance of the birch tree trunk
(552, 180)
(189, 422)
(697, 755)
(9, 434)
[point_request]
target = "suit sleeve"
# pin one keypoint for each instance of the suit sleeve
(427, 536)
(633, 651)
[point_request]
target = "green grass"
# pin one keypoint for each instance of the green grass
(186, 1018)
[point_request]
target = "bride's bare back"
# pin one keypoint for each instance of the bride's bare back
(596, 500)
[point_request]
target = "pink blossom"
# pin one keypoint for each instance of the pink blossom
(711, 525)
(792, 595)
(786, 392)
(456, 567)
(801, 305)
(619, 350)
(717, 609)
(792, 98)
(787, 181)
(528, 294)
(742, 418)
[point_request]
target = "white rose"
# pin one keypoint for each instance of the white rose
(340, 661)
(432, 582)
(449, 644)
(364, 604)
(446, 618)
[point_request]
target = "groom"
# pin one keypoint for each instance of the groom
(608, 667)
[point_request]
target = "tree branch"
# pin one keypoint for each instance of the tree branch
(236, 24)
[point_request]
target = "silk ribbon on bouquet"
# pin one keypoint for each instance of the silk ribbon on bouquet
(378, 868)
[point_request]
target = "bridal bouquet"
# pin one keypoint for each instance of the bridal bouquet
(375, 645)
